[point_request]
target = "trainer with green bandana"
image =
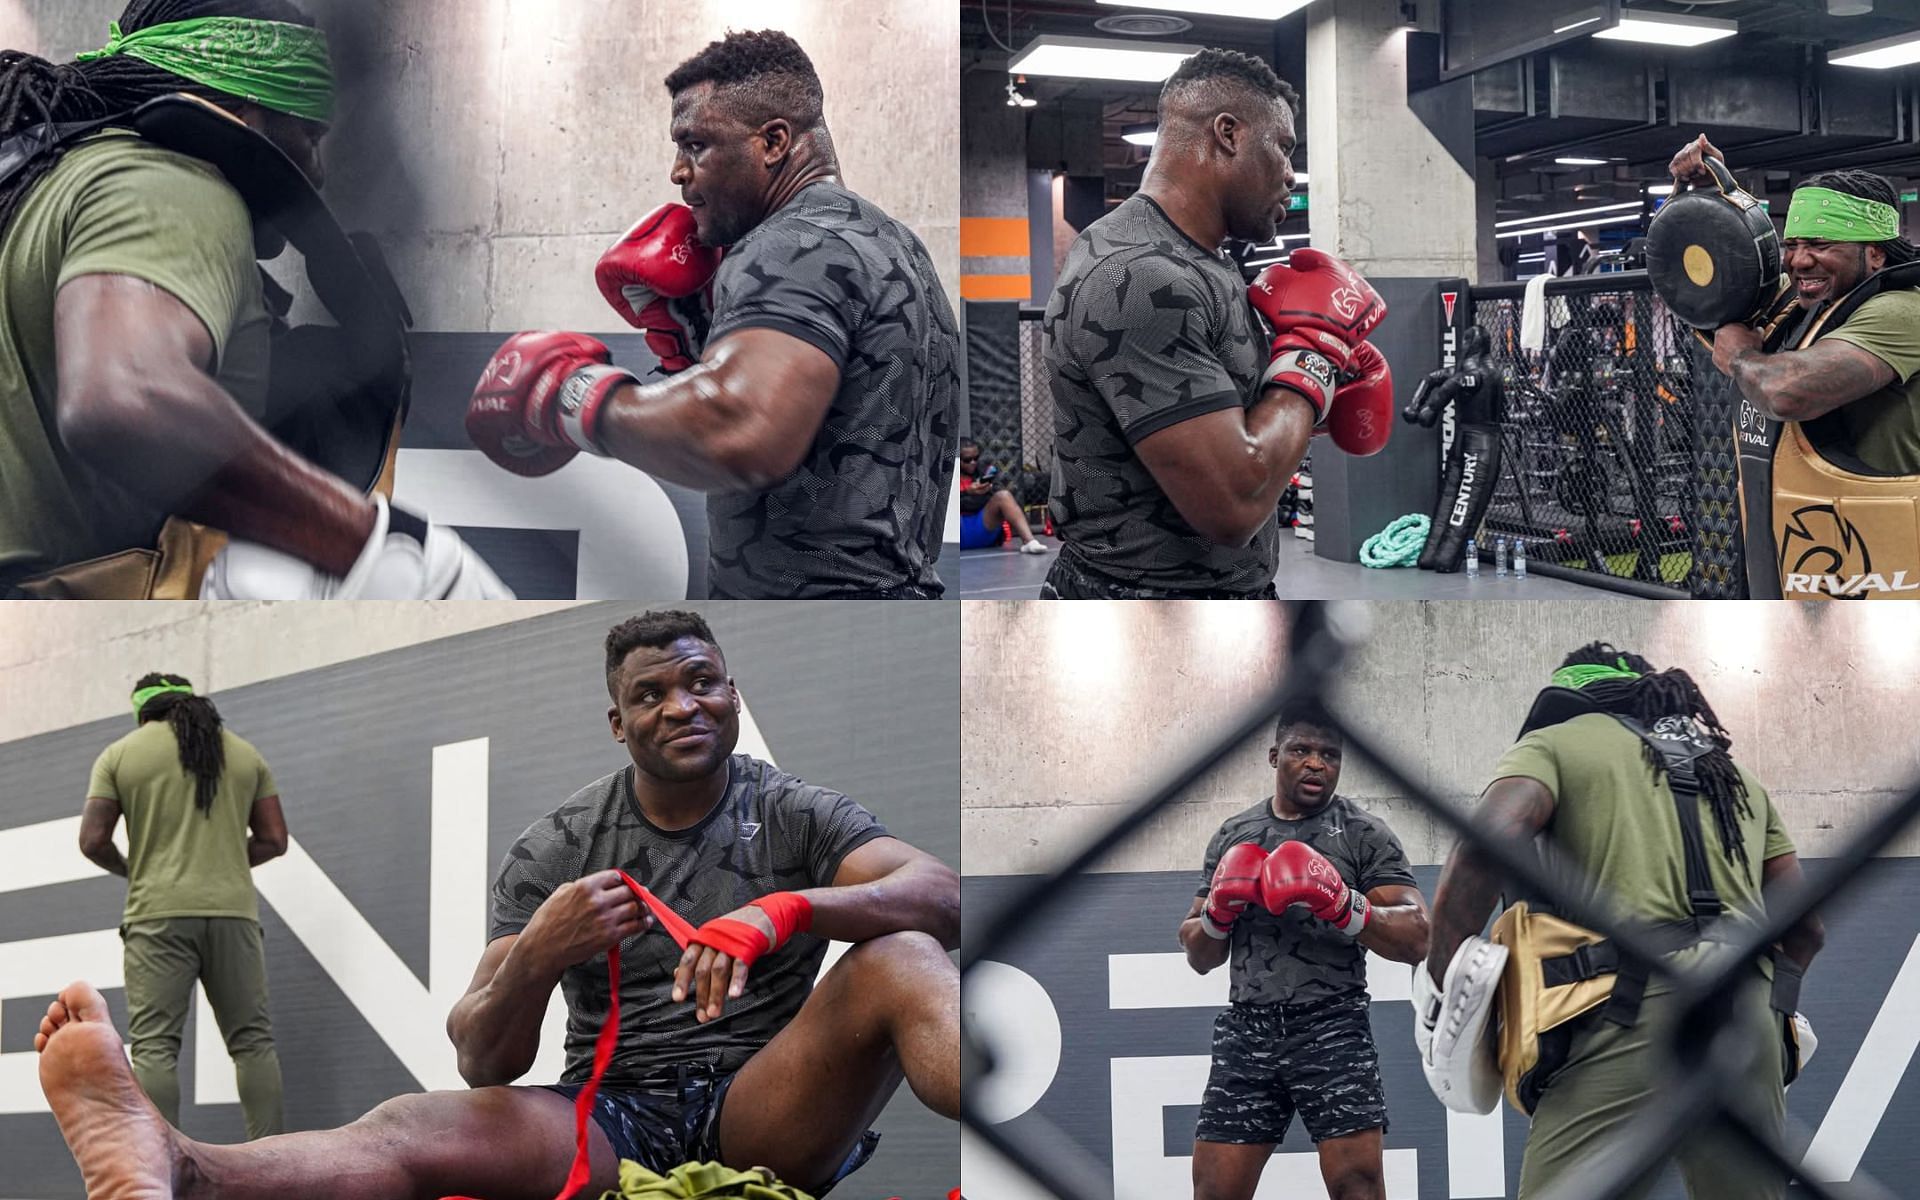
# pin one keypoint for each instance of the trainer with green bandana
(141, 349)
(1863, 375)
(1582, 779)
(202, 811)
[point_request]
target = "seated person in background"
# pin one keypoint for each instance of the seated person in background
(987, 507)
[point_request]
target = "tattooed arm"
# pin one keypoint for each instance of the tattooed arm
(1798, 385)
(1515, 807)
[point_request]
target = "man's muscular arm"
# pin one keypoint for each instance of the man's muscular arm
(495, 1027)
(741, 419)
(1397, 928)
(1799, 385)
(1515, 807)
(137, 404)
(97, 821)
(885, 886)
(1809, 935)
(1204, 953)
(1225, 470)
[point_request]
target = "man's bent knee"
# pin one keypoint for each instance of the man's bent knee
(1357, 1183)
(906, 952)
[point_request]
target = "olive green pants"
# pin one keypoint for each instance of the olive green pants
(1612, 1075)
(227, 957)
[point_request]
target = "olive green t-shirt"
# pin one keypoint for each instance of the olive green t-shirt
(1884, 428)
(114, 205)
(1619, 827)
(182, 862)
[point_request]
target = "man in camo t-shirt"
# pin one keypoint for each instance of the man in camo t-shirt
(718, 1058)
(1294, 890)
(816, 404)
(1169, 456)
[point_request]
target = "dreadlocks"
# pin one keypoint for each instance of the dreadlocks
(1868, 186)
(1673, 693)
(34, 91)
(196, 727)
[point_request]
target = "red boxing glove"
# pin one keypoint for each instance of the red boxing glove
(1319, 309)
(1362, 412)
(790, 913)
(1236, 884)
(658, 261)
(1296, 873)
(538, 402)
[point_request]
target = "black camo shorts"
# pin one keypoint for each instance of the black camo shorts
(1071, 579)
(1273, 1060)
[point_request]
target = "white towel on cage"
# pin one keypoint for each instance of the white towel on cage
(1533, 316)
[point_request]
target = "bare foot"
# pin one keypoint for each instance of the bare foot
(125, 1149)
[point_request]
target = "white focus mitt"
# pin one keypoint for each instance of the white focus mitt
(405, 558)
(1452, 1026)
(1802, 1043)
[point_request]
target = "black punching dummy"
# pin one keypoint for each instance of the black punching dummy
(1473, 461)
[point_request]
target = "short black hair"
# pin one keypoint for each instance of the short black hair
(663, 627)
(1309, 713)
(1868, 186)
(1212, 72)
(763, 73)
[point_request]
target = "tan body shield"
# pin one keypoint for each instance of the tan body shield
(1533, 1017)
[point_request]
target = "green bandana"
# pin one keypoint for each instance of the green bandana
(145, 694)
(274, 64)
(1829, 216)
(1581, 675)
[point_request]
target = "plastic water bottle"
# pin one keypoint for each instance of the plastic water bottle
(1500, 556)
(1473, 560)
(1519, 558)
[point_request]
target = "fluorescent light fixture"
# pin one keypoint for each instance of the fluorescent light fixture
(1300, 177)
(1576, 25)
(1520, 233)
(1570, 161)
(1098, 58)
(1540, 257)
(1659, 189)
(1898, 51)
(1251, 10)
(1140, 137)
(1574, 212)
(1666, 29)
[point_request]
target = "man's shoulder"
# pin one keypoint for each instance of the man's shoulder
(116, 156)
(1359, 820)
(1253, 818)
(777, 789)
(579, 814)
(1896, 308)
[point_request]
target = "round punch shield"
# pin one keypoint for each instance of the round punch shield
(1713, 255)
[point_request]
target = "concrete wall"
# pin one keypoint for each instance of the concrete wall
(503, 144)
(1071, 711)
(63, 664)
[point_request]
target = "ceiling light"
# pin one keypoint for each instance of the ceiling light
(1252, 10)
(1015, 99)
(1577, 212)
(1669, 29)
(1659, 189)
(1897, 51)
(1097, 58)
(1139, 135)
(1581, 162)
(1520, 233)
(1849, 8)
(1300, 177)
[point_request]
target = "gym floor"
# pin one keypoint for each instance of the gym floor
(1002, 573)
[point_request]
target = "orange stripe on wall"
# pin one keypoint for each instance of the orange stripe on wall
(995, 287)
(993, 237)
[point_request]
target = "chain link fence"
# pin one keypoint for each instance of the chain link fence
(1603, 442)
(1704, 1050)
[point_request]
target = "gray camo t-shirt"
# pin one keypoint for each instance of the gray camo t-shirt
(1146, 329)
(865, 511)
(1295, 957)
(769, 833)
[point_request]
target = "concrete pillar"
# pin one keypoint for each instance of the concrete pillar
(1387, 196)
(1486, 197)
(995, 239)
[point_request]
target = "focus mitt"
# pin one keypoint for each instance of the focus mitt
(405, 558)
(1453, 1029)
(1800, 1045)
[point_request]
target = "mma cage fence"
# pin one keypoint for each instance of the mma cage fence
(1703, 1053)
(1616, 436)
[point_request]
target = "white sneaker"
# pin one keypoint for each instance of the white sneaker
(1035, 546)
